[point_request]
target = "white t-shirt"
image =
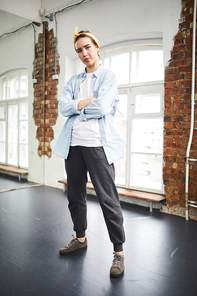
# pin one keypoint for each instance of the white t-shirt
(86, 133)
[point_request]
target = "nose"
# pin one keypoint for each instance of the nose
(84, 52)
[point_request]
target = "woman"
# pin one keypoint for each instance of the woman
(90, 143)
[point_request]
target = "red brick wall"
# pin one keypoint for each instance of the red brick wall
(45, 106)
(177, 112)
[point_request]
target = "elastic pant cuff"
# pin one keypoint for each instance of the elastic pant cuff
(80, 234)
(118, 248)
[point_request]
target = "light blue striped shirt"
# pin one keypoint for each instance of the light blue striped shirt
(104, 88)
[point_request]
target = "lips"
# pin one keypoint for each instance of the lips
(87, 60)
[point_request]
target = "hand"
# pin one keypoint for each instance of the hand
(84, 103)
(93, 99)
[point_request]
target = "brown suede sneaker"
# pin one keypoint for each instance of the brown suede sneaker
(74, 246)
(117, 268)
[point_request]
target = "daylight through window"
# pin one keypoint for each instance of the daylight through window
(14, 119)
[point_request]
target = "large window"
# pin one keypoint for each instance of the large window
(139, 69)
(139, 118)
(14, 119)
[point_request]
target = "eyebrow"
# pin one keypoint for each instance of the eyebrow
(83, 46)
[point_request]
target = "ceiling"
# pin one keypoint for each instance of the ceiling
(29, 9)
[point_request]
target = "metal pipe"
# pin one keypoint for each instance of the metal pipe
(44, 85)
(34, 49)
(192, 201)
(56, 45)
(192, 113)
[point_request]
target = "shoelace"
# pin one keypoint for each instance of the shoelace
(71, 242)
(116, 261)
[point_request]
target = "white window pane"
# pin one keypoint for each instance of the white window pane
(13, 86)
(23, 85)
(120, 122)
(2, 112)
(4, 81)
(23, 132)
(150, 65)
(134, 67)
(13, 113)
(2, 152)
(2, 131)
(23, 111)
(147, 135)
(120, 171)
(106, 63)
(147, 103)
(80, 67)
(23, 151)
(12, 134)
(120, 65)
(12, 153)
(146, 171)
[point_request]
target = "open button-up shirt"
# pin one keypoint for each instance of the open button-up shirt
(104, 88)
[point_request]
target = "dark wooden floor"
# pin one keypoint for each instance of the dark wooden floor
(160, 251)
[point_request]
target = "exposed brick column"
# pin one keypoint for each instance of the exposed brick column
(177, 116)
(45, 106)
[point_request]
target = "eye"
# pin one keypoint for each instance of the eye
(88, 46)
(79, 50)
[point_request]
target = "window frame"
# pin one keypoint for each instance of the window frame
(142, 89)
(3, 104)
(131, 89)
(17, 101)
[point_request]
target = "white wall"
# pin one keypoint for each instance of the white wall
(29, 9)
(111, 21)
(8, 21)
(17, 51)
(22, 8)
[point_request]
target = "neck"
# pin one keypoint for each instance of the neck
(92, 68)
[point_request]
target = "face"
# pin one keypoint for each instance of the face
(87, 52)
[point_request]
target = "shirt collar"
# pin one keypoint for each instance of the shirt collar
(96, 73)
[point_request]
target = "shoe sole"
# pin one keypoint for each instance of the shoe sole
(74, 251)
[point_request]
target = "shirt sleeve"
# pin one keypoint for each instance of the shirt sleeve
(68, 106)
(106, 96)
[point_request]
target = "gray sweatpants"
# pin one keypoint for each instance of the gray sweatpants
(93, 160)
